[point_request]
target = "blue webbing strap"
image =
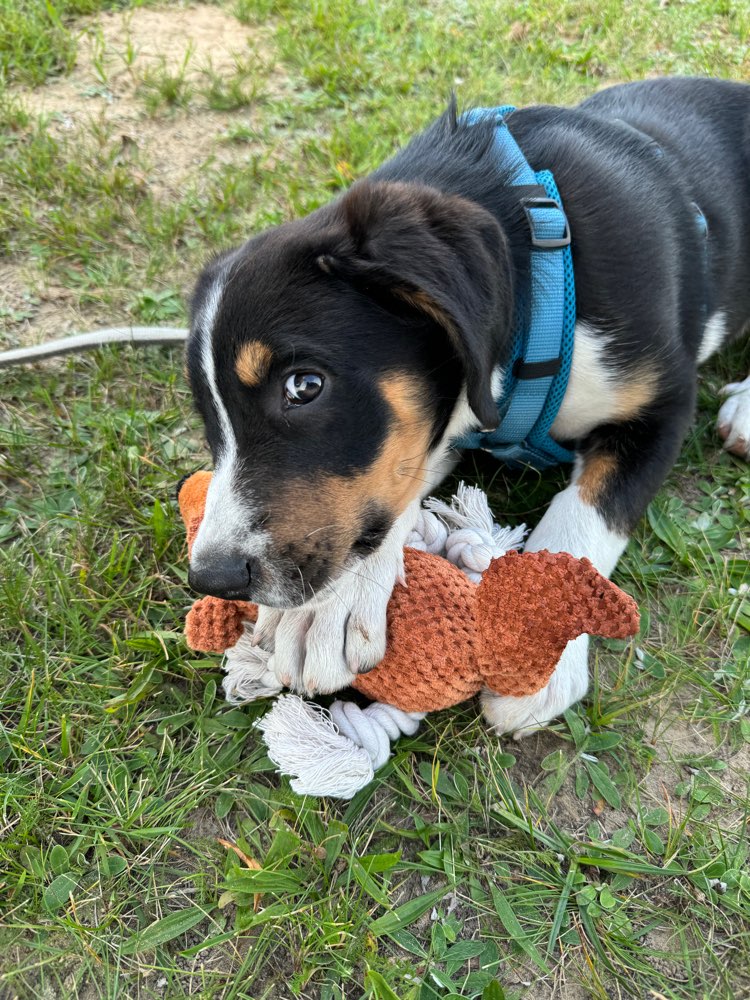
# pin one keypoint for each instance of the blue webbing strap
(535, 382)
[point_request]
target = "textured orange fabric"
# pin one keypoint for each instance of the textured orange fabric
(213, 625)
(192, 502)
(431, 654)
(530, 605)
(447, 637)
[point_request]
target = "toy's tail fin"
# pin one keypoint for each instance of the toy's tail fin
(598, 606)
(531, 604)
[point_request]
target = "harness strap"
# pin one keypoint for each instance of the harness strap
(536, 378)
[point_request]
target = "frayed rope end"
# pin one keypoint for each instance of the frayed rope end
(304, 743)
(336, 752)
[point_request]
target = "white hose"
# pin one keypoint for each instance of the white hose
(136, 335)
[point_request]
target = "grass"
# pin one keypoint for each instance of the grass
(606, 857)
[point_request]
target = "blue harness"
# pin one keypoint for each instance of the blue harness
(539, 365)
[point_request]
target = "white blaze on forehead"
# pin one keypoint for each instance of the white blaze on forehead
(229, 515)
(205, 324)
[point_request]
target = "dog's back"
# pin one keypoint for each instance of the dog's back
(702, 129)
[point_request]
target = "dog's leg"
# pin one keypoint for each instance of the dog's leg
(733, 421)
(571, 524)
(322, 646)
(617, 473)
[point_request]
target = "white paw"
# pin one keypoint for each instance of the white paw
(321, 647)
(248, 673)
(733, 421)
(289, 643)
(567, 685)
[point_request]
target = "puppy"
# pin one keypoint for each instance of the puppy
(336, 359)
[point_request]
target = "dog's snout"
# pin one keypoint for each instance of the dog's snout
(228, 577)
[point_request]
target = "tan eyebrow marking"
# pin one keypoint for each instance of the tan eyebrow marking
(253, 362)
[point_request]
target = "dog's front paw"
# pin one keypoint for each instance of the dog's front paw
(734, 418)
(566, 686)
(320, 648)
(343, 641)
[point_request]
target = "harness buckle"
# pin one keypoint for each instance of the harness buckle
(542, 243)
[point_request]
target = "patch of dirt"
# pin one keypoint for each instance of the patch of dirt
(565, 986)
(31, 309)
(104, 94)
(564, 807)
(678, 743)
(665, 942)
(121, 50)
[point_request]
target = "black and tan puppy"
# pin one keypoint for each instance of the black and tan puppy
(336, 358)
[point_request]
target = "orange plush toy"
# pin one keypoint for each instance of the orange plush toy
(448, 639)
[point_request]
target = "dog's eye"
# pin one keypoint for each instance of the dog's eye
(302, 387)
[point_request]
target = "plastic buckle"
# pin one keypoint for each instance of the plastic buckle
(529, 204)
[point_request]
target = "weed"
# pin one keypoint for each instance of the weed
(162, 86)
(147, 846)
(34, 42)
(228, 92)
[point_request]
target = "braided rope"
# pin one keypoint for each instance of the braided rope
(331, 752)
(375, 727)
(336, 751)
(472, 538)
(429, 534)
(247, 675)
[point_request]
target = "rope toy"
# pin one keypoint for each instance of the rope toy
(476, 615)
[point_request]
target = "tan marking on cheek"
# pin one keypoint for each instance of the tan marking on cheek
(635, 394)
(253, 362)
(398, 473)
(597, 472)
(330, 508)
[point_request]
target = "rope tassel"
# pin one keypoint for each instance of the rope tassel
(336, 751)
(472, 539)
(332, 751)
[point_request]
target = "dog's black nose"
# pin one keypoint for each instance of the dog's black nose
(228, 577)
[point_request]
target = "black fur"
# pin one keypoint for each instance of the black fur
(416, 270)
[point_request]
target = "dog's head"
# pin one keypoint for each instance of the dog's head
(329, 358)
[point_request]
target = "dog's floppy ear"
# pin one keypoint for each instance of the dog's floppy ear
(441, 255)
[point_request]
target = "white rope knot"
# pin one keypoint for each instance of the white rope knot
(472, 539)
(336, 751)
(429, 534)
(247, 675)
(332, 752)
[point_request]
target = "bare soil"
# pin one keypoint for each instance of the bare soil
(119, 50)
